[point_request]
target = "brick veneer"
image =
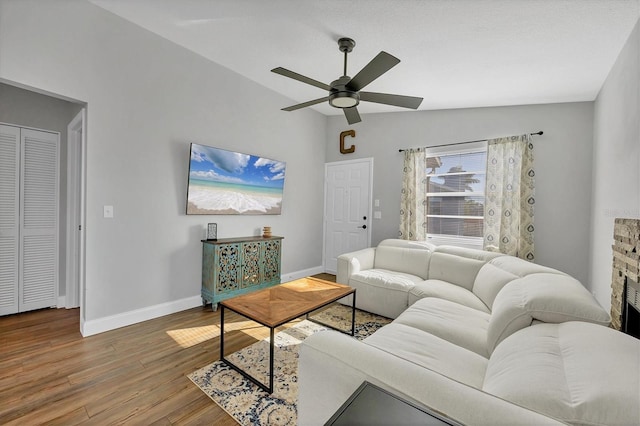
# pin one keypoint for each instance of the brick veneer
(626, 263)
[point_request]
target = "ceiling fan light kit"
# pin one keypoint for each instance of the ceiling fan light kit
(345, 92)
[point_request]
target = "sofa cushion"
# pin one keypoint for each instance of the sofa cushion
(408, 260)
(501, 270)
(455, 269)
(571, 371)
(397, 242)
(447, 291)
(521, 267)
(384, 278)
(463, 326)
(429, 351)
(381, 291)
(489, 282)
(546, 297)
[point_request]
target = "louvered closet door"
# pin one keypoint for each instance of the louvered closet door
(9, 217)
(38, 220)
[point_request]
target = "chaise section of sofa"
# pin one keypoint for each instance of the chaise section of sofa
(333, 365)
(574, 372)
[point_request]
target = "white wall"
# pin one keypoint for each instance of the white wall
(563, 161)
(147, 99)
(616, 162)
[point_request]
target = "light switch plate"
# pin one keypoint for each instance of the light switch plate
(108, 212)
(376, 203)
(377, 215)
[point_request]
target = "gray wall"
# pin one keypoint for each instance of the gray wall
(563, 161)
(616, 162)
(147, 98)
(30, 109)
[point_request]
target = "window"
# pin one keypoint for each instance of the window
(455, 185)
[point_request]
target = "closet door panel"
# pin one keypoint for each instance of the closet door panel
(9, 217)
(39, 220)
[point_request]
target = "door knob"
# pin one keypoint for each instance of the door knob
(363, 227)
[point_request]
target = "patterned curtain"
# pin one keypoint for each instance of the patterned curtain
(413, 200)
(510, 197)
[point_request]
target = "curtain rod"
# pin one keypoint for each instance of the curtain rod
(462, 143)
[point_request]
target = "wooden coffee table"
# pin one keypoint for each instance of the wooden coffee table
(277, 305)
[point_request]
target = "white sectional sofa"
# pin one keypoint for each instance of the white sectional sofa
(480, 337)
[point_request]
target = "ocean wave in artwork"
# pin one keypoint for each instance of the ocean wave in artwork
(223, 199)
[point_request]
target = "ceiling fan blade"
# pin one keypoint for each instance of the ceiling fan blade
(388, 99)
(306, 104)
(382, 63)
(352, 115)
(294, 75)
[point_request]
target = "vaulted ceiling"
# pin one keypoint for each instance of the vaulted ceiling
(454, 53)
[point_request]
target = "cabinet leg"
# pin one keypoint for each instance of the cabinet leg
(214, 307)
(204, 302)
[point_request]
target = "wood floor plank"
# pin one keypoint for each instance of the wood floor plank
(137, 374)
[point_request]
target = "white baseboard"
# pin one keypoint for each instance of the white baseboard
(100, 325)
(301, 274)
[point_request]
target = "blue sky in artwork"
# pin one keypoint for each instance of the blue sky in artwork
(219, 165)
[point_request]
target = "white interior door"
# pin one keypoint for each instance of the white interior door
(39, 176)
(9, 217)
(347, 209)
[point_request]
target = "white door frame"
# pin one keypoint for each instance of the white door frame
(76, 184)
(368, 160)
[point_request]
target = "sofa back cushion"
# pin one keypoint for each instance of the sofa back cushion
(489, 282)
(500, 271)
(407, 260)
(545, 297)
(397, 242)
(458, 265)
(577, 372)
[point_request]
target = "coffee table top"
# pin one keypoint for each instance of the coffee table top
(282, 303)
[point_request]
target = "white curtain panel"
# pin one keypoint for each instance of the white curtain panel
(510, 197)
(413, 200)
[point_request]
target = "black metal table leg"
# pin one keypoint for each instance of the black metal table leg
(353, 315)
(271, 343)
(240, 370)
(222, 332)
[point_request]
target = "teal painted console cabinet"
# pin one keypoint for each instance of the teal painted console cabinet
(234, 266)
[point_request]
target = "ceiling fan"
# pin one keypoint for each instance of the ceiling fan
(345, 92)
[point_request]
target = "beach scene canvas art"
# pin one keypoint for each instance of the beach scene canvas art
(227, 182)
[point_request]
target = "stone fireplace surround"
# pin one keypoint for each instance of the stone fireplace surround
(626, 264)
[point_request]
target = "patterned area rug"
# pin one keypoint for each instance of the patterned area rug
(246, 402)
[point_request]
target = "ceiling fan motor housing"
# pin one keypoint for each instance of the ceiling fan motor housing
(340, 96)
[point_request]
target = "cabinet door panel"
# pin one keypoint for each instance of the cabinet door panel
(251, 264)
(228, 273)
(271, 272)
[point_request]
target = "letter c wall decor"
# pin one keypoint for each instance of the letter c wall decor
(344, 150)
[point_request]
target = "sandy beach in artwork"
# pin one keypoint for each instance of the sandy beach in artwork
(211, 199)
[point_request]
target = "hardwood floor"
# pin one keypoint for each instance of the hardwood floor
(50, 374)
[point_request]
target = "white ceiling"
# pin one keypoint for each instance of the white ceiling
(454, 53)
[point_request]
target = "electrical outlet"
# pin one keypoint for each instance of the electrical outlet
(377, 215)
(108, 212)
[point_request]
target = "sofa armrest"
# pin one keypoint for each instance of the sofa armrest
(333, 365)
(354, 262)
